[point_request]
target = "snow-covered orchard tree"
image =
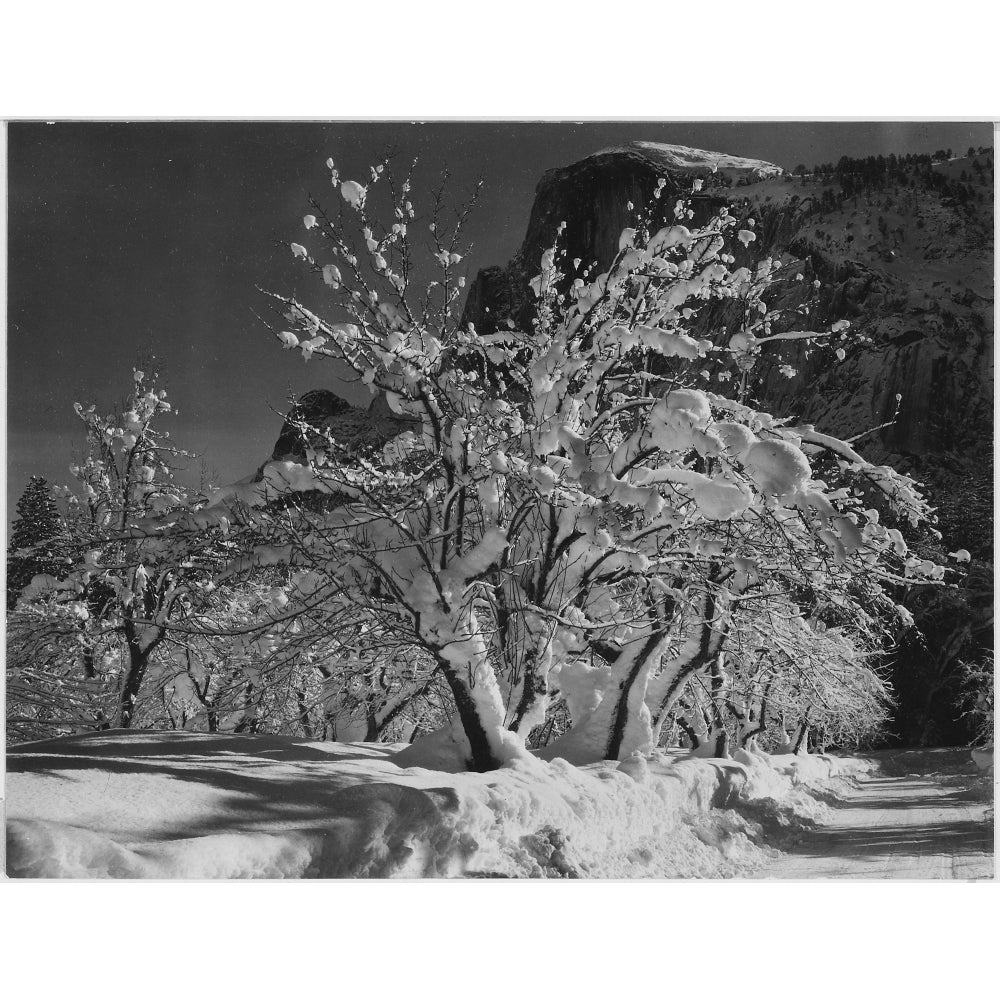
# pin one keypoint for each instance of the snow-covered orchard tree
(131, 573)
(783, 676)
(54, 673)
(576, 514)
(248, 665)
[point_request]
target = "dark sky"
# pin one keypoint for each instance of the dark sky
(131, 239)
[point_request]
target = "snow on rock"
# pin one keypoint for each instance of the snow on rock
(133, 804)
(686, 158)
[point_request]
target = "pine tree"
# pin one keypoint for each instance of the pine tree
(35, 538)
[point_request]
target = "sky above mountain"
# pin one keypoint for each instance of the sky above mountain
(130, 240)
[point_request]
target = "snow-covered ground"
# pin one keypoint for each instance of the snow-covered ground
(179, 805)
(925, 814)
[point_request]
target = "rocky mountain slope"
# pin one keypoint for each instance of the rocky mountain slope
(909, 259)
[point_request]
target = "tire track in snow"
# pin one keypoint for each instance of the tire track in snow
(892, 825)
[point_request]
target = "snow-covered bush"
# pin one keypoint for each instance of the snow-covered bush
(576, 514)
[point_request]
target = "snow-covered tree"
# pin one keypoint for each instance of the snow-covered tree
(130, 573)
(782, 669)
(55, 684)
(578, 513)
(36, 541)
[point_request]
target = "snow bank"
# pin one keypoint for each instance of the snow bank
(786, 794)
(180, 805)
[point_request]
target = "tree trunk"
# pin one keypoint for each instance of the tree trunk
(211, 712)
(761, 726)
(138, 659)
(716, 688)
(620, 724)
(484, 752)
(802, 734)
(627, 708)
(248, 724)
(304, 720)
(697, 652)
(689, 731)
(533, 702)
(463, 657)
(371, 727)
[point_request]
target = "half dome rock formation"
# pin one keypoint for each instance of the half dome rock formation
(597, 198)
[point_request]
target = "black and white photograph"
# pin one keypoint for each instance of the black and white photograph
(499, 499)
